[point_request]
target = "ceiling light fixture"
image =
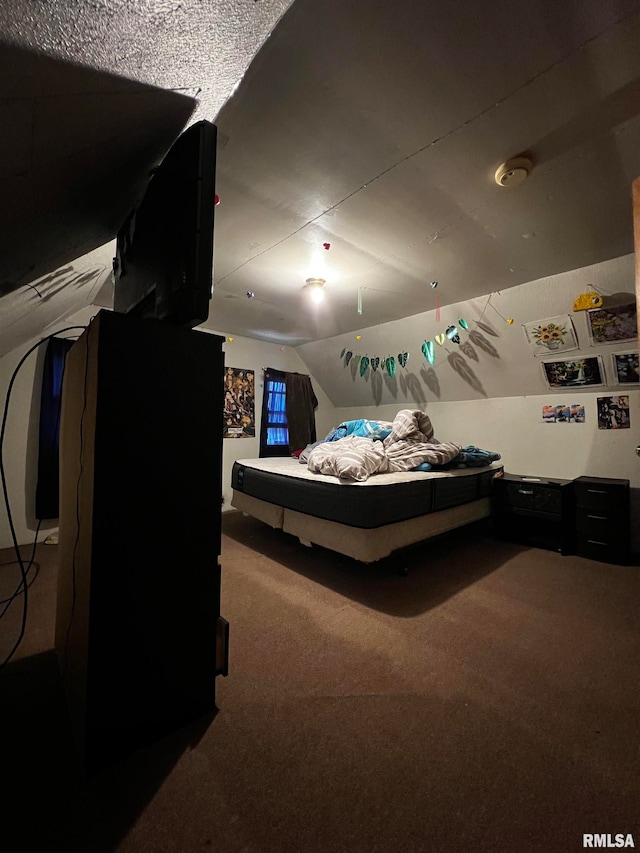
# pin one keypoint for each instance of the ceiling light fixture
(315, 286)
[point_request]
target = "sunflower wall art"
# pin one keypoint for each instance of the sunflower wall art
(556, 334)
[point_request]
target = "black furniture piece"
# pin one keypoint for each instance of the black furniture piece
(602, 518)
(533, 511)
(139, 635)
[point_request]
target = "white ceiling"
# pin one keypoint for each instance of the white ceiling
(374, 127)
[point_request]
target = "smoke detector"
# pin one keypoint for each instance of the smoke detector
(513, 172)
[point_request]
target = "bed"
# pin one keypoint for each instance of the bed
(367, 520)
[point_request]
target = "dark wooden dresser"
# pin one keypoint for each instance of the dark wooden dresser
(534, 511)
(602, 507)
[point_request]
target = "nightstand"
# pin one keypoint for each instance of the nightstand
(602, 518)
(534, 511)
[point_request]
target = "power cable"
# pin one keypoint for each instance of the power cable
(23, 572)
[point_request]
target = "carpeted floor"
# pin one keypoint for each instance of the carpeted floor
(489, 701)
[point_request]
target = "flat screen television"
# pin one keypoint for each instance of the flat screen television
(163, 267)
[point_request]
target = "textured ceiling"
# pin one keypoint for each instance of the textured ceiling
(374, 127)
(92, 94)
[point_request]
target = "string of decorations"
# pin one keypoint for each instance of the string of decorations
(451, 333)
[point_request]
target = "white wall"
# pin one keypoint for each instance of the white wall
(500, 363)
(251, 354)
(513, 427)
(20, 452)
(20, 449)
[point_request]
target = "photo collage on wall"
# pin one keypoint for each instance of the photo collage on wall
(239, 403)
(561, 414)
(609, 328)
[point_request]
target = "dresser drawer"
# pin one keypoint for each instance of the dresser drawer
(532, 496)
(601, 525)
(604, 552)
(598, 493)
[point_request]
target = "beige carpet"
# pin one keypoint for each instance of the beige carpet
(489, 701)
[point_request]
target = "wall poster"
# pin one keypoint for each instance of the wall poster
(581, 371)
(613, 325)
(554, 335)
(625, 367)
(239, 403)
(613, 413)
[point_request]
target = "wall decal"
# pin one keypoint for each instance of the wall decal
(613, 413)
(613, 325)
(239, 403)
(625, 368)
(554, 335)
(572, 373)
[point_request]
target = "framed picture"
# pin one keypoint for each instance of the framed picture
(580, 372)
(625, 368)
(613, 413)
(613, 325)
(554, 335)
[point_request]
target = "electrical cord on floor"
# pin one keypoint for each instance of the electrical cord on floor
(24, 584)
(18, 591)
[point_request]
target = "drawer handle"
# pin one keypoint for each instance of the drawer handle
(599, 517)
(597, 491)
(525, 491)
(595, 542)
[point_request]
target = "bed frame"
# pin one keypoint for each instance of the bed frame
(438, 502)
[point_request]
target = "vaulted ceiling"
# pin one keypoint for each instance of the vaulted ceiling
(376, 128)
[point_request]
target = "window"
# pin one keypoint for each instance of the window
(274, 430)
(288, 419)
(277, 432)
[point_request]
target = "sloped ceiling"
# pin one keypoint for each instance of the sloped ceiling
(91, 97)
(376, 128)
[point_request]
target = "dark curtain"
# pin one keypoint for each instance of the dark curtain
(301, 406)
(49, 432)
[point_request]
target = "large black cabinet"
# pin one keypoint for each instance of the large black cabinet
(139, 634)
(533, 511)
(602, 518)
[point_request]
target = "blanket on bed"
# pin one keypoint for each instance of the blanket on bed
(409, 444)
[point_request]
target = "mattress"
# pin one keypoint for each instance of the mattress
(378, 501)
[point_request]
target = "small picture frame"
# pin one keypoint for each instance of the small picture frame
(579, 372)
(625, 368)
(613, 325)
